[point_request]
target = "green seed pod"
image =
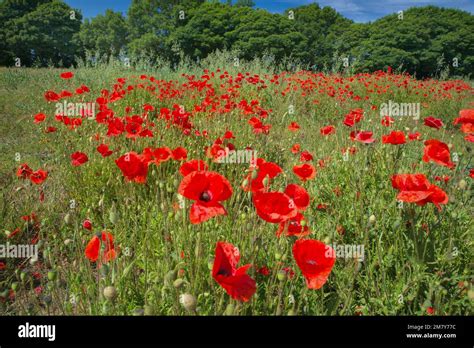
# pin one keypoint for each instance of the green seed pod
(23, 276)
(277, 256)
(161, 185)
(266, 180)
(254, 175)
(462, 184)
(245, 183)
(14, 286)
(303, 223)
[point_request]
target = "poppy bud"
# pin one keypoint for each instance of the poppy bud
(188, 301)
(161, 185)
(101, 203)
(245, 183)
(67, 219)
(23, 276)
(210, 264)
(372, 219)
(14, 286)
(178, 283)
(87, 224)
(277, 256)
(462, 184)
(52, 275)
(113, 215)
(254, 175)
(265, 181)
(110, 293)
(170, 277)
(281, 275)
(303, 223)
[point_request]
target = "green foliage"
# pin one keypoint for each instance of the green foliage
(105, 33)
(47, 34)
(426, 41)
(415, 41)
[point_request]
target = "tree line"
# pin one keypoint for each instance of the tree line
(419, 40)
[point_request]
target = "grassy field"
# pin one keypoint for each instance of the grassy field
(417, 259)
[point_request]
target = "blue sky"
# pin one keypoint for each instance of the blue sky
(357, 10)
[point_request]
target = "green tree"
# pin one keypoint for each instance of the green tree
(417, 41)
(11, 10)
(321, 28)
(106, 33)
(46, 34)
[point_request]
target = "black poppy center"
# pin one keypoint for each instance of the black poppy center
(205, 196)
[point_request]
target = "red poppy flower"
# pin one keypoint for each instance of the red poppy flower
(274, 207)
(67, 75)
(103, 149)
(207, 189)
(191, 166)
(78, 158)
(306, 156)
(362, 137)
(353, 117)
(38, 176)
(299, 196)
(327, 130)
(235, 281)
(295, 148)
(179, 154)
(466, 119)
(414, 136)
(92, 251)
(387, 121)
(24, 171)
(51, 96)
(437, 152)
(305, 171)
(133, 167)
(294, 227)
(161, 154)
(433, 122)
(39, 118)
(264, 270)
(265, 171)
(469, 138)
(87, 224)
(415, 188)
(315, 260)
(51, 129)
(294, 127)
(394, 138)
